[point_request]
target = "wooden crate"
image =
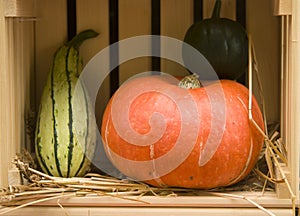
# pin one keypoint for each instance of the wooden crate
(31, 31)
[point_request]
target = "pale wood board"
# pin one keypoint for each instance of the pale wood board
(294, 97)
(129, 211)
(282, 7)
(267, 199)
(17, 56)
(264, 29)
(51, 33)
(176, 18)
(20, 8)
(150, 205)
(134, 20)
(4, 105)
(95, 17)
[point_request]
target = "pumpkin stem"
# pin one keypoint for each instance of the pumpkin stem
(217, 9)
(190, 82)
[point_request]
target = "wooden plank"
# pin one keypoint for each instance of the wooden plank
(185, 205)
(111, 211)
(266, 42)
(155, 30)
(20, 8)
(95, 15)
(21, 60)
(282, 7)
(177, 17)
(4, 105)
(197, 10)
(71, 18)
(285, 116)
(114, 76)
(17, 56)
(11, 130)
(202, 200)
(241, 12)
(294, 147)
(51, 33)
(281, 189)
(134, 20)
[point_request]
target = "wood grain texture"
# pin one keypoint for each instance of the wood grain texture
(294, 87)
(205, 204)
(113, 211)
(20, 8)
(282, 7)
(134, 20)
(16, 43)
(176, 18)
(4, 105)
(128, 211)
(51, 33)
(265, 31)
(95, 16)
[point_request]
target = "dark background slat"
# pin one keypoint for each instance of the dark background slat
(71, 19)
(241, 12)
(241, 18)
(198, 10)
(114, 37)
(155, 30)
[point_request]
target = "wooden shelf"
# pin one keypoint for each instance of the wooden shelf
(129, 211)
(152, 205)
(205, 200)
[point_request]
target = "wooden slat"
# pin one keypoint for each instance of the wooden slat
(112, 211)
(267, 48)
(4, 105)
(20, 59)
(27, 33)
(95, 17)
(202, 200)
(177, 17)
(155, 30)
(134, 20)
(282, 7)
(11, 130)
(51, 32)
(197, 10)
(20, 8)
(285, 108)
(205, 204)
(114, 75)
(241, 12)
(17, 55)
(71, 18)
(294, 97)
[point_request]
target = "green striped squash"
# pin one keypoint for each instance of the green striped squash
(64, 142)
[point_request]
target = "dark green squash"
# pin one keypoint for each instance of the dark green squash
(222, 41)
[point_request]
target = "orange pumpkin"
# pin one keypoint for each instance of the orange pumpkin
(164, 135)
